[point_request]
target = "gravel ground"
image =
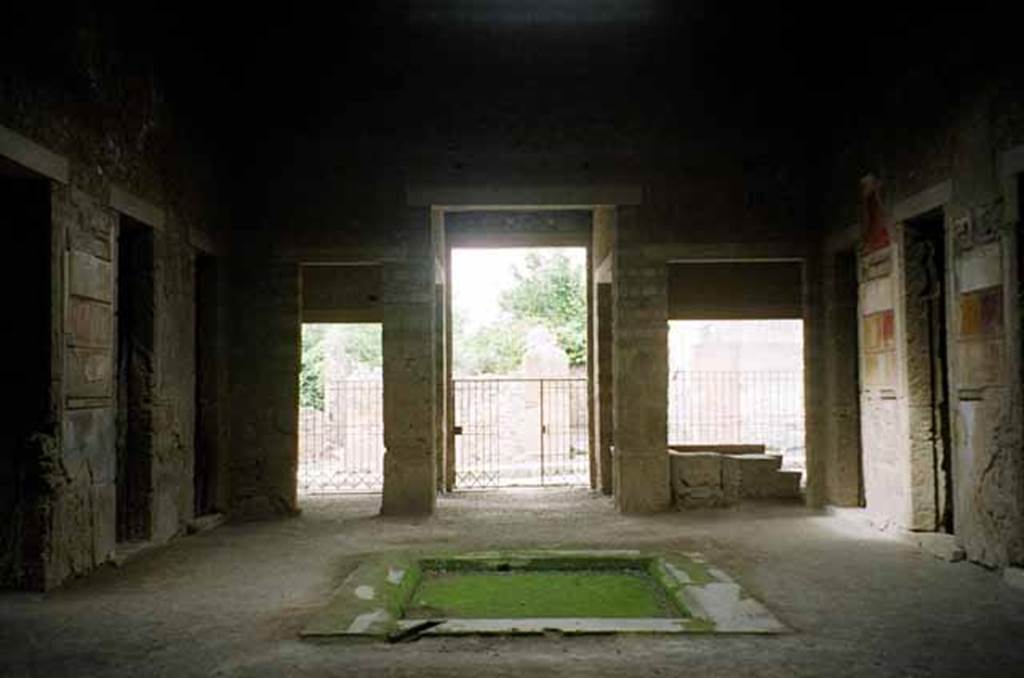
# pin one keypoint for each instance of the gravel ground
(231, 601)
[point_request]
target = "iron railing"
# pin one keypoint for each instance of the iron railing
(512, 432)
(341, 447)
(739, 407)
(520, 432)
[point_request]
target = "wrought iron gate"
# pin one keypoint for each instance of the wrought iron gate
(341, 444)
(521, 432)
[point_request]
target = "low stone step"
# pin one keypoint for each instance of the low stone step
(760, 462)
(750, 475)
(707, 479)
(721, 449)
(697, 479)
(787, 484)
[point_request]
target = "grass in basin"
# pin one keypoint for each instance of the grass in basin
(503, 595)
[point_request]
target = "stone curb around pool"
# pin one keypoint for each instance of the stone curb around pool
(371, 601)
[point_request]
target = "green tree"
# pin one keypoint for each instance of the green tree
(311, 375)
(362, 342)
(493, 349)
(551, 290)
(362, 347)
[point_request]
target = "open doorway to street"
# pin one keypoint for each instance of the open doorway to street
(341, 409)
(519, 375)
(738, 383)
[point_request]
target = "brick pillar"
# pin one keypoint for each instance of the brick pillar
(408, 298)
(640, 377)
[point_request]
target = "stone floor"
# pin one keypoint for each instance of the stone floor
(231, 601)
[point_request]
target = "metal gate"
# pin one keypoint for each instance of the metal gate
(341, 443)
(521, 432)
(765, 407)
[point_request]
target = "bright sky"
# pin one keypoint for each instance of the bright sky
(479, 276)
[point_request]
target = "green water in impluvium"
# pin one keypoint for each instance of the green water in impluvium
(509, 595)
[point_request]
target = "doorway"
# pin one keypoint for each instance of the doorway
(928, 370)
(738, 382)
(26, 337)
(519, 372)
(135, 346)
(341, 409)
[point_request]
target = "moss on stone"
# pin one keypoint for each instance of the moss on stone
(697, 572)
(531, 594)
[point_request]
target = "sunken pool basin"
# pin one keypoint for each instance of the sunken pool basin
(501, 595)
(402, 597)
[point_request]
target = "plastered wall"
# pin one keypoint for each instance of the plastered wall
(957, 165)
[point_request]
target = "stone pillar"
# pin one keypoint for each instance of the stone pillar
(814, 383)
(640, 376)
(603, 385)
(265, 358)
(838, 346)
(438, 248)
(408, 298)
(440, 387)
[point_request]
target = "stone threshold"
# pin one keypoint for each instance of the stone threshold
(1014, 577)
(130, 550)
(205, 523)
(940, 545)
(548, 625)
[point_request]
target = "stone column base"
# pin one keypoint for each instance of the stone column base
(409, 488)
(642, 481)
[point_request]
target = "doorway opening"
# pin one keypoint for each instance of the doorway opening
(27, 340)
(135, 376)
(738, 383)
(927, 367)
(519, 373)
(209, 473)
(341, 409)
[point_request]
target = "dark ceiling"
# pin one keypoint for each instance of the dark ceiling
(454, 74)
(299, 65)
